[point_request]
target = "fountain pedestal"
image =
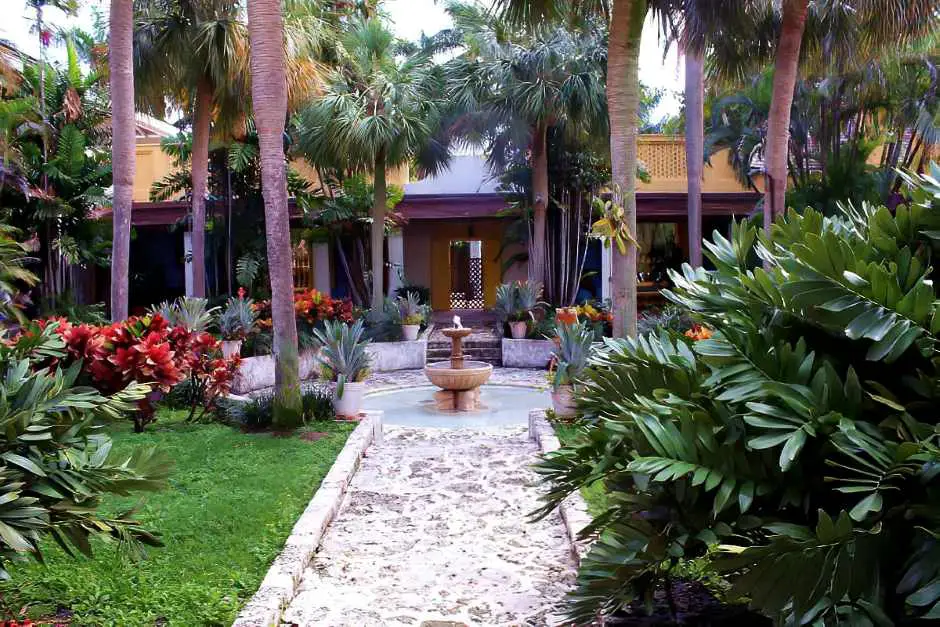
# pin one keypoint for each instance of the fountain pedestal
(459, 379)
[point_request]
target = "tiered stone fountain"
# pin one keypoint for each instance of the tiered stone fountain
(459, 378)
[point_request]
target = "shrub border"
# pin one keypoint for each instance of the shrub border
(282, 580)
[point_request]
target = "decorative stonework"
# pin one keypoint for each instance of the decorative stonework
(280, 584)
(526, 353)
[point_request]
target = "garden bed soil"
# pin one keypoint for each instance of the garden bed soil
(694, 606)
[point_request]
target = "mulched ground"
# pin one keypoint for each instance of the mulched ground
(694, 606)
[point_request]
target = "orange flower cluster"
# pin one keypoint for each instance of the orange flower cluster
(310, 306)
(567, 315)
(699, 332)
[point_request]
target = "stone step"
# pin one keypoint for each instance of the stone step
(480, 354)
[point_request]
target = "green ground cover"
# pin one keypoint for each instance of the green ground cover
(232, 499)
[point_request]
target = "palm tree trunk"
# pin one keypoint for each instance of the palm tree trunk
(623, 103)
(269, 99)
(123, 157)
(538, 244)
(694, 148)
(200, 173)
(378, 232)
(778, 122)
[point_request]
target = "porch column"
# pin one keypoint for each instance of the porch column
(188, 261)
(607, 251)
(322, 276)
(396, 261)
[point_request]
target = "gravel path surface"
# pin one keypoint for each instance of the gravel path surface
(434, 529)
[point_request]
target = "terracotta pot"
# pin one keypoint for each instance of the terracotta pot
(410, 331)
(518, 329)
(230, 348)
(563, 401)
(349, 404)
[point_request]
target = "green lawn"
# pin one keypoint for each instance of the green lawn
(231, 502)
(594, 495)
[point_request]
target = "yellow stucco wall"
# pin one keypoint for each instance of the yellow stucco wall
(664, 158)
(152, 165)
(427, 255)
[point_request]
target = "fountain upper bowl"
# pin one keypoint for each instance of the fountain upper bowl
(460, 332)
(472, 375)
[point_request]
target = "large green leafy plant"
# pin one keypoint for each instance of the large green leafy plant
(56, 462)
(796, 450)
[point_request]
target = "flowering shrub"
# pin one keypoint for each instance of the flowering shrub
(310, 307)
(698, 333)
(144, 349)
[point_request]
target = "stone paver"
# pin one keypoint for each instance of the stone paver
(434, 528)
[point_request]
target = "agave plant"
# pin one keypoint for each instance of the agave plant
(506, 300)
(796, 449)
(411, 310)
(343, 352)
(193, 314)
(237, 319)
(517, 301)
(572, 353)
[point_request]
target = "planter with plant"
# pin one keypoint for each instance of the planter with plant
(516, 304)
(236, 322)
(344, 360)
(413, 314)
(569, 359)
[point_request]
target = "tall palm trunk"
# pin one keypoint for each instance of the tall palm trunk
(537, 252)
(200, 173)
(623, 103)
(694, 148)
(378, 232)
(269, 99)
(120, 55)
(778, 122)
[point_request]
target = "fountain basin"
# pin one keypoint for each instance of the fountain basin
(473, 374)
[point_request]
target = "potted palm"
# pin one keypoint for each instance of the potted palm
(569, 361)
(236, 321)
(413, 314)
(344, 360)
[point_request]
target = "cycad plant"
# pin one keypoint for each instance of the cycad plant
(796, 450)
(57, 464)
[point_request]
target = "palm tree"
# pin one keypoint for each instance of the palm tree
(378, 110)
(519, 85)
(123, 147)
(828, 36)
(694, 147)
(194, 54)
(269, 97)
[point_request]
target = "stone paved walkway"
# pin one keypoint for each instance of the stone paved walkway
(434, 528)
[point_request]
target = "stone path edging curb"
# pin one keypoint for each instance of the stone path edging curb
(280, 584)
(573, 509)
